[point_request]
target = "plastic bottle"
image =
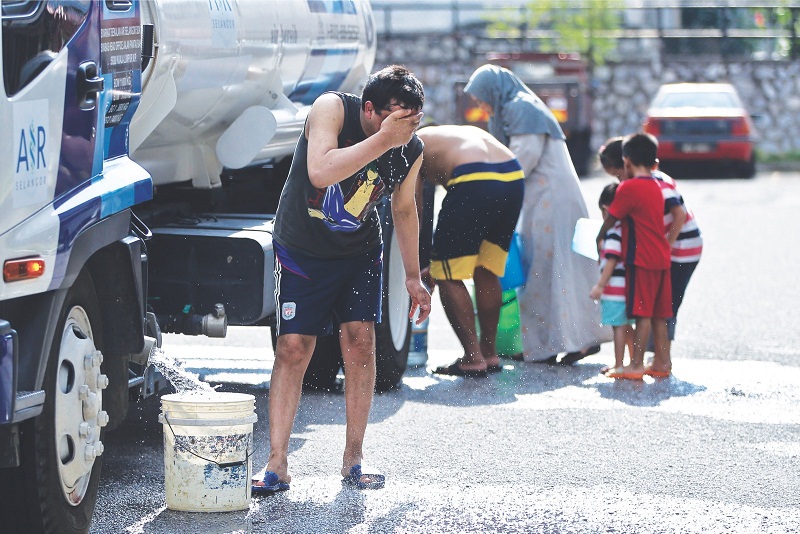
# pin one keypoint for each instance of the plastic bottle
(418, 350)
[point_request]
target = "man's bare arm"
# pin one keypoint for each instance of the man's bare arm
(406, 231)
(327, 163)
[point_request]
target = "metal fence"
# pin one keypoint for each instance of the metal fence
(733, 28)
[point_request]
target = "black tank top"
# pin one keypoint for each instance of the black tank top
(340, 220)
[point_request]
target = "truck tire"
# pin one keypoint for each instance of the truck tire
(56, 483)
(579, 146)
(393, 333)
(324, 365)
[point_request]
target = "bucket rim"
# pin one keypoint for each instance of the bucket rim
(217, 397)
(165, 419)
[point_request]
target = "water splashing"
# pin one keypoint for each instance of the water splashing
(182, 380)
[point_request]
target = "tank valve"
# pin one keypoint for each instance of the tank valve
(215, 324)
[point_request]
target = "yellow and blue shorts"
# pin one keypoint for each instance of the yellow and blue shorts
(477, 219)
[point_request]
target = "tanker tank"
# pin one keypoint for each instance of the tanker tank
(230, 82)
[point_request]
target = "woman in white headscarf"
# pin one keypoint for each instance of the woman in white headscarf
(556, 313)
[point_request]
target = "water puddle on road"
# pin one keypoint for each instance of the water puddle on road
(176, 374)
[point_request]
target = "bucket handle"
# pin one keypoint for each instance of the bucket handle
(221, 465)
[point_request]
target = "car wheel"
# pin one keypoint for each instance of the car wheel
(748, 168)
(55, 488)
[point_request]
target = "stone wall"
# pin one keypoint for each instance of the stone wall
(769, 89)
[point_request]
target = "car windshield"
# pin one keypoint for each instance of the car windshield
(697, 100)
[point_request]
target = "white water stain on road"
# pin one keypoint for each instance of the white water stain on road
(486, 507)
(742, 391)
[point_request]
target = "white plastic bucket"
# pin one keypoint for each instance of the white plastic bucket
(208, 444)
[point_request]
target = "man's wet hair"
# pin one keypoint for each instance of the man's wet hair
(641, 149)
(611, 153)
(393, 85)
(607, 194)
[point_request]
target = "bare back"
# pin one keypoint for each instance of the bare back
(448, 146)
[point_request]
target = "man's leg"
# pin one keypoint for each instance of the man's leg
(358, 354)
(292, 354)
(489, 300)
(457, 305)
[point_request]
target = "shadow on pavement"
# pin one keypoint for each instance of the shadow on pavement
(520, 378)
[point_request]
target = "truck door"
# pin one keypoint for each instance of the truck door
(50, 56)
(50, 72)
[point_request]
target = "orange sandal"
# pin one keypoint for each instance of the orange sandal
(626, 375)
(649, 371)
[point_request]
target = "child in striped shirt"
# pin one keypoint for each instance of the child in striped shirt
(610, 288)
(686, 240)
(680, 228)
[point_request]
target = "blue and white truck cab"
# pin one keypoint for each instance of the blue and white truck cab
(144, 145)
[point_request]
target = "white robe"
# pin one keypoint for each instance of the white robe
(556, 313)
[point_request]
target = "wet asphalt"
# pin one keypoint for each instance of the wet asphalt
(537, 448)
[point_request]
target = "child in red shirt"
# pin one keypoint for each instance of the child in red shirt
(639, 204)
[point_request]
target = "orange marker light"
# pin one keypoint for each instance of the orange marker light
(476, 115)
(561, 115)
(25, 269)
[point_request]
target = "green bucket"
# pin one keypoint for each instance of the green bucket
(509, 337)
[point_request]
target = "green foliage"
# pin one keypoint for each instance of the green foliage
(576, 26)
(779, 158)
(788, 17)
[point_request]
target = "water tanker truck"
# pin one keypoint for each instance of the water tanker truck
(144, 147)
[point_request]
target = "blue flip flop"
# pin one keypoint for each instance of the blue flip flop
(272, 484)
(354, 479)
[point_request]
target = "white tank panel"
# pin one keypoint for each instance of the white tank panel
(216, 58)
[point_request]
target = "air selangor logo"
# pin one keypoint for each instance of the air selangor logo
(31, 128)
(31, 148)
(223, 24)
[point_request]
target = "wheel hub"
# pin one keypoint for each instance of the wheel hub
(398, 297)
(78, 405)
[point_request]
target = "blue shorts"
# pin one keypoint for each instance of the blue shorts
(310, 291)
(612, 313)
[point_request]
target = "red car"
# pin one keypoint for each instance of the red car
(702, 124)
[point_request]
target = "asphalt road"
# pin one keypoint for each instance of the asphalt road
(715, 448)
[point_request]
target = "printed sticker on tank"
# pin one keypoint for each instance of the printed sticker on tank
(31, 158)
(223, 24)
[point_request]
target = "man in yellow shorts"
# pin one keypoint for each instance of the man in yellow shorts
(485, 185)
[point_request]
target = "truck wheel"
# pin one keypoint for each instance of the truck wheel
(393, 333)
(60, 449)
(324, 365)
(579, 146)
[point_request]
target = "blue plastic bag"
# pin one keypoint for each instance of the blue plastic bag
(515, 274)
